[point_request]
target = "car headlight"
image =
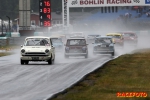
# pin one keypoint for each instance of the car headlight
(22, 51)
(47, 51)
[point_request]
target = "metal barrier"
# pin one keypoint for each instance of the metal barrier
(4, 41)
(16, 40)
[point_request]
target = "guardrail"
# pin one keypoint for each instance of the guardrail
(5, 41)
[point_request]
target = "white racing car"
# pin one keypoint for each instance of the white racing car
(37, 48)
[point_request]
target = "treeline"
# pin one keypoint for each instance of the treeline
(9, 8)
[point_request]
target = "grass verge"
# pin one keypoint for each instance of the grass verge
(128, 73)
(8, 48)
(5, 53)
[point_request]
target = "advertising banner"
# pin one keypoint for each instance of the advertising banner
(103, 3)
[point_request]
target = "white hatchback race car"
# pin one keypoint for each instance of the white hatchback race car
(37, 48)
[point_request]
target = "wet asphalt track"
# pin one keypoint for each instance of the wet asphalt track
(39, 81)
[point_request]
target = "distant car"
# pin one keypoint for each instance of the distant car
(76, 46)
(130, 38)
(77, 34)
(117, 38)
(91, 37)
(136, 7)
(103, 45)
(57, 42)
(37, 48)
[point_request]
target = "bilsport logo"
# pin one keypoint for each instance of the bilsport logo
(136, 1)
(147, 1)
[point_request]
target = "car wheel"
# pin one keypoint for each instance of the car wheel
(86, 56)
(50, 61)
(26, 62)
(112, 53)
(21, 61)
(53, 60)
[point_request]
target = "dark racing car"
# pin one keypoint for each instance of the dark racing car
(76, 46)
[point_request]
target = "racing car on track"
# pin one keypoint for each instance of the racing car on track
(57, 42)
(91, 37)
(117, 38)
(77, 34)
(104, 45)
(130, 38)
(76, 46)
(37, 48)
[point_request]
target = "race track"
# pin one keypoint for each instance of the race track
(39, 81)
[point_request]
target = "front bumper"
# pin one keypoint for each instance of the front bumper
(103, 52)
(35, 58)
(76, 54)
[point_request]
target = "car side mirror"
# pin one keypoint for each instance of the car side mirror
(21, 46)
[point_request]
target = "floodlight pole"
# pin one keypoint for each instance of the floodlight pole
(9, 22)
(1, 24)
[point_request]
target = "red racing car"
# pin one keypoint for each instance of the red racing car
(130, 38)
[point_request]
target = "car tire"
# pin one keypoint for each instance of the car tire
(26, 62)
(53, 61)
(21, 61)
(50, 61)
(112, 53)
(86, 56)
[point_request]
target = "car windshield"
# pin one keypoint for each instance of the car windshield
(76, 42)
(56, 40)
(36, 42)
(103, 40)
(129, 35)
